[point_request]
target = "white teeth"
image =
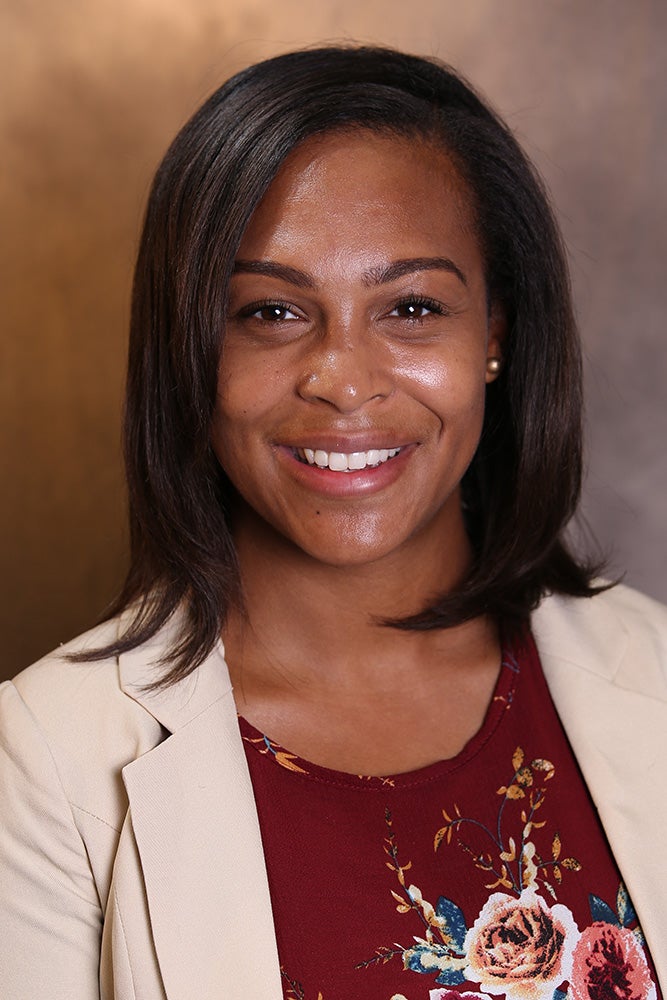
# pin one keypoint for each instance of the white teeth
(338, 461)
(357, 460)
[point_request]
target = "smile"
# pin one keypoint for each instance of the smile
(338, 461)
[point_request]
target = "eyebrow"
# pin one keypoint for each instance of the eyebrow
(375, 276)
(271, 269)
(400, 268)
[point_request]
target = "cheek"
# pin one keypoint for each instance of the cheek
(453, 388)
(252, 383)
(229, 427)
(248, 405)
(241, 394)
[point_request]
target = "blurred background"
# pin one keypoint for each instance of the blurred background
(93, 91)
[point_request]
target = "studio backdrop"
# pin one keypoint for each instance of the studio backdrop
(93, 91)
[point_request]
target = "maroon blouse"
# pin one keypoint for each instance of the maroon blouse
(487, 874)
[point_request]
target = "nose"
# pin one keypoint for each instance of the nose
(345, 368)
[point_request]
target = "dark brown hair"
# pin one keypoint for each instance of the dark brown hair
(523, 484)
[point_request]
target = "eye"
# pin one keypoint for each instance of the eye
(269, 312)
(417, 308)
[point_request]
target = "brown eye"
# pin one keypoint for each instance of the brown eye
(411, 310)
(416, 309)
(269, 312)
(274, 313)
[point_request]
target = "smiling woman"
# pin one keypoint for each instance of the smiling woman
(353, 446)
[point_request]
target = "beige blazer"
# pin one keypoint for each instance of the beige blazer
(131, 864)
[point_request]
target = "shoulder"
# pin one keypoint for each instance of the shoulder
(93, 717)
(618, 609)
(76, 716)
(619, 634)
(84, 698)
(629, 608)
(67, 730)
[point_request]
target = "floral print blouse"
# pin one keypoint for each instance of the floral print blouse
(487, 875)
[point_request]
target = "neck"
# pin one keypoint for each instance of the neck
(315, 669)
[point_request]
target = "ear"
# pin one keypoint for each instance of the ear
(495, 342)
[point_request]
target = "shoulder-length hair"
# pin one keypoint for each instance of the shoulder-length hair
(523, 484)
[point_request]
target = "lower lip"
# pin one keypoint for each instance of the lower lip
(363, 482)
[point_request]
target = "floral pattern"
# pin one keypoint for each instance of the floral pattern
(523, 944)
(293, 990)
(609, 962)
(513, 861)
(266, 746)
(454, 995)
(521, 947)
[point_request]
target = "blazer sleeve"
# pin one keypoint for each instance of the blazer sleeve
(50, 914)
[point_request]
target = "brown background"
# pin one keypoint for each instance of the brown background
(92, 92)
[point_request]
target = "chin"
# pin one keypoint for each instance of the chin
(354, 550)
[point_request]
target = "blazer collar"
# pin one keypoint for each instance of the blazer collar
(604, 664)
(177, 705)
(196, 828)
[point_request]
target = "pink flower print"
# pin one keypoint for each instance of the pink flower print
(521, 947)
(610, 964)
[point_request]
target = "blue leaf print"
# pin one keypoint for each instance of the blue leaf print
(601, 911)
(559, 995)
(450, 977)
(413, 959)
(429, 957)
(626, 913)
(453, 915)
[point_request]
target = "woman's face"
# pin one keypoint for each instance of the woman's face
(352, 380)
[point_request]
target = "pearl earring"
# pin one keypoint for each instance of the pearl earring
(493, 366)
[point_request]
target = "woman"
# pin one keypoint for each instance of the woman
(353, 444)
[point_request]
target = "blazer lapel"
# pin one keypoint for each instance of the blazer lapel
(194, 820)
(611, 696)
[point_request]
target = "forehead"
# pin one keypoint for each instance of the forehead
(360, 181)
